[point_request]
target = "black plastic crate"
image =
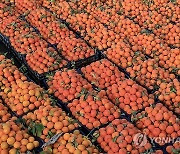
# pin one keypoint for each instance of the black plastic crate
(7, 43)
(86, 61)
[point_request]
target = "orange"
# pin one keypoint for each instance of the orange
(66, 136)
(36, 143)
(11, 140)
(30, 146)
(31, 139)
(4, 137)
(26, 103)
(6, 129)
(58, 125)
(12, 151)
(19, 137)
(24, 141)
(4, 145)
(17, 145)
(31, 92)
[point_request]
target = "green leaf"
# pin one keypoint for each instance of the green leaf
(173, 1)
(9, 91)
(137, 53)
(176, 151)
(142, 116)
(93, 74)
(146, 31)
(29, 36)
(43, 16)
(52, 1)
(35, 128)
(93, 82)
(5, 54)
(51, 113)
(120, 12)
(17, 151)
(117, 101)
(148, 2)
(115, 138)
(143, 93)
(62, 25)
(14, 24)
(157, 26)
(156, 87)
(149, 151)
(92, 30)
(123, 114)
(173, 89)
(175, 70)
(86, 96)
(124, 125)
(28, 152)
(33, 131)
(74, 11)
(12, 61)
(74, 142)
(153, 106)
(72, 121)
(80, 28)
(88, 152)
(83, 92)
(50, 134)
(23, 68)
(79, 113)
(39, 129)
(21, 121)
(101, 8)
(49, 151)
(96, 134)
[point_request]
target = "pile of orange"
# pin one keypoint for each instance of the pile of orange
(72, 143)
(53, 120)
(14, 139)
(118, 137)
(94, 110)
(129, 96)
(45, 60)
(68, 85)
(158, 121)
(112, 69)
(102, 73)
(4, 113)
